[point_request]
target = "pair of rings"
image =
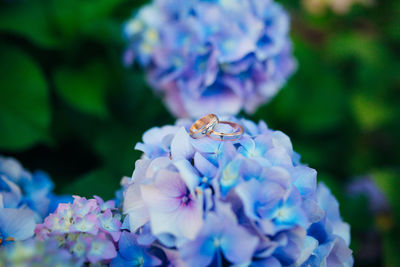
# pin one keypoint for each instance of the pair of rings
(206, 125)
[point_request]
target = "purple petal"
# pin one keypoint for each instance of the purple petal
(331, 206)
(199, 252)
(181, 148)
(135, 207)
(157, 201)
(188, 174)
(310, 244)
(278, 175)
(259, 199)
(181, 222)
(279, 157)
(204, 166)
(141, 167)
(238, 245)
(87, 224)
(206, 145)
(101, 250)
(170, 183)
(305, 180)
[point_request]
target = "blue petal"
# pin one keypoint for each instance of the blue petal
(18, 224)
(188, 173)
(128, 247)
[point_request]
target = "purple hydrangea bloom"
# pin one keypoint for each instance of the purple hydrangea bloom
(35, 253)
(365, 186)
(25, 199)
(219, 238)
(88, 228)
(248, 202)
(199, 54)
(380, 211)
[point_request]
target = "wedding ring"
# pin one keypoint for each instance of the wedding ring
(203, 126)
(238, 132)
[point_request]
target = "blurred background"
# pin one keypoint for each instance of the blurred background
(68, 106)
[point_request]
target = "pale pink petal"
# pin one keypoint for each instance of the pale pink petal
(135, 206)
(170, 184)
(190, 220)
(157, 201)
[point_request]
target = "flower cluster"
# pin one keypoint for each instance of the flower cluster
(35, 253)
(248, 202)
(88, 228)
(199, 54)
(25, 199)
(365, 186)
(378, 218)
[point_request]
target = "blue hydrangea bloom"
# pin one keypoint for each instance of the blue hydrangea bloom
(201, 53)
(248, 202)
(131, 253)
(25, 199)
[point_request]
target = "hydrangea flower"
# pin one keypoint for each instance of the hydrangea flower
(380, 219)
(15, 224)
(35, 253)
(248, 202)
(25, 199)
(330, 236)
(199, 54)
(91, 232)
(366, 186)
(131, 253)
(88, 228)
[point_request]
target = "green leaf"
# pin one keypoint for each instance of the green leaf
(389, 182)
(116, 146)
(85, 89)
(76, 17)
(24, 103)
(57, 22)
(30, 19)
(323, 109)
(370, 113)
(313, 100)
(100, 182)
(354, 45)
(391, 244)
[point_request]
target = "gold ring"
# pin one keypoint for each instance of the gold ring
(238, 132)
(203, 126)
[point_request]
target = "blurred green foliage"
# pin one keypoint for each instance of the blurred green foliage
(68, 106)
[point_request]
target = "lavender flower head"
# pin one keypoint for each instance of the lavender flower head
(220, 55)
(91, 232)
(25, 199)
(88, 228)
(35, 253)
(248, 202)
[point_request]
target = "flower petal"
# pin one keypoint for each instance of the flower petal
(18, 224)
